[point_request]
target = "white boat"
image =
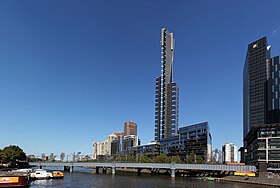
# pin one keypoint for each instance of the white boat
(40, 174)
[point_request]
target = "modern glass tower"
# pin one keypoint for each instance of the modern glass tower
(167, 92)
(254, 85)
(261, 112)
(273, 90)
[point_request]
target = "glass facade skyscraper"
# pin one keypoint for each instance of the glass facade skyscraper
(167, 92)
(261, 114)
(254, 85)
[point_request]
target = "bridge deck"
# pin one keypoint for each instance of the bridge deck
(204, 167)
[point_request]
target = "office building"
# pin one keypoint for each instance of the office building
(254, 84)
(130, 128)
(167, 92)
(229, 153)
(261, 106)
(273, 90)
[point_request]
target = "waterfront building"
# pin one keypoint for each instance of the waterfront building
(124, 145)
(104, 148)
(150, 150)
(191, 139)
(130, 128)
(197, 139)
(261, 116)
(229, 153)
(167, 91)
(173, 146)
(254, 88)
(117, 146)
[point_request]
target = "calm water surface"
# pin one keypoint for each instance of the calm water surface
(88, 179)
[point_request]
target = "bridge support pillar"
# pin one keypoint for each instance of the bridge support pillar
(104, 170)
(139, 171)
(66, 168)
(173, 172)
(40, 167)
(113, 170)
(97, 170)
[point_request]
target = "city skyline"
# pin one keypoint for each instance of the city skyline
(73, 72)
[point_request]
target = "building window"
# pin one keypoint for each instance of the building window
(276, 68)
(276, 94)
(276, 81)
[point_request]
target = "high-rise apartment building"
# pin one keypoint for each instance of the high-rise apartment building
(130, 128)
(167, 92)
(261, 115)
(229, 153)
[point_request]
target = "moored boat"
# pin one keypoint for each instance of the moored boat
(14, 179)
(41, 174)
(58, 174)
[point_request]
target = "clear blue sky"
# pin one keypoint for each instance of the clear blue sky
(72, 72)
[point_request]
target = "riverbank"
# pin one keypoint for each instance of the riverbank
(267, 181)
(273, 181)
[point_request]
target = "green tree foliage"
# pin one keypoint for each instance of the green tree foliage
(145, 159)
(193, 158)
(11, 154)
(162, 158)
(176, 159)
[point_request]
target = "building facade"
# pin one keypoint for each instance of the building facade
(261, 116)
(197, 139)
(254, 85)
(273, 90)
(229, 153)
(130, 128)
(194, 139)
(167, 92)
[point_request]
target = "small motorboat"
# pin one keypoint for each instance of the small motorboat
(57, 174)
(40, 174)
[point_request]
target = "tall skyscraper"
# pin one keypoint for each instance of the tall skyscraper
(254, 80)
(167, 92)
(261, 115)
(273, 90)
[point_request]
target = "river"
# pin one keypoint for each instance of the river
(86, 178)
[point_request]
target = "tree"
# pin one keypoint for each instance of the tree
(145, 159)
(175, 159)
(62, 156)
(193, 158)
(162, 158)
(12, 154)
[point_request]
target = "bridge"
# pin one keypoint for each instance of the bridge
(173, 167)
